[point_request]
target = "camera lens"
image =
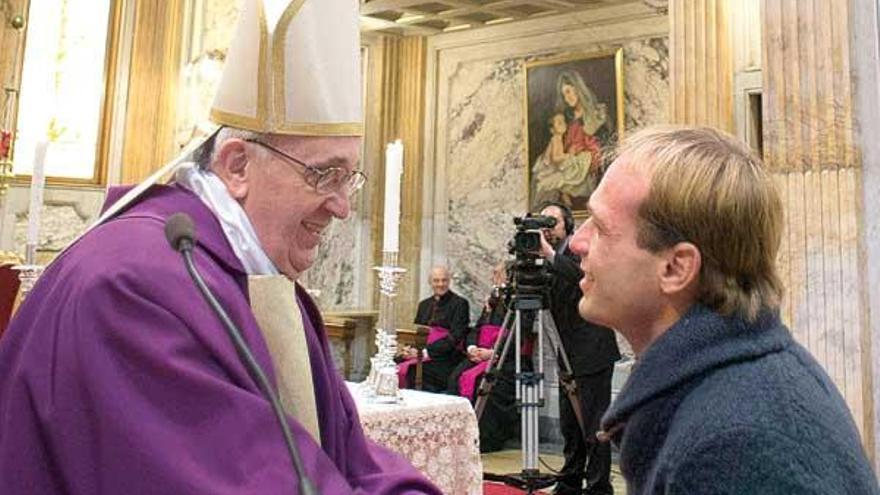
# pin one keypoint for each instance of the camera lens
(527, 241)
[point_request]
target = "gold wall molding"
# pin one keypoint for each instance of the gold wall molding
(701, 63)
(152, 90)
(403, 68)
(13, 49)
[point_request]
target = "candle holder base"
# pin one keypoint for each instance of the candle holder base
(387, 391)
(381, 384)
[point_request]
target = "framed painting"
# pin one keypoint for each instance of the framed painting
(574, 115)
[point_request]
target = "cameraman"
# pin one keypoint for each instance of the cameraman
(591, 350)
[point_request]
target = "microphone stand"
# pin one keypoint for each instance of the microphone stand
(185, 246)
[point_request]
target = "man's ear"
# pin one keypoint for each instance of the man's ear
(681, 271)
(231, 166)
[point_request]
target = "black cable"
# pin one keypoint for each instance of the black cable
(306, 487)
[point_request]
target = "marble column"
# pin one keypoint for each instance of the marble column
(809, 144)
(701, 63)
(865, 51)
(402, 107)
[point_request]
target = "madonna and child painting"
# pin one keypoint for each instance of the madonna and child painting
(574, 113)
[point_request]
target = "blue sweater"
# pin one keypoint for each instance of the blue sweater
(716, 405)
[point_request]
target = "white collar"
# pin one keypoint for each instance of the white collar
(232, 217)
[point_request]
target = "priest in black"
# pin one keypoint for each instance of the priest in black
(448, 315)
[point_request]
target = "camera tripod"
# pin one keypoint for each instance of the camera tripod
(529, 386)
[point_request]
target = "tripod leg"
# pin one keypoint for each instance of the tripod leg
(566, 377)
(531, 383)
(527, 386)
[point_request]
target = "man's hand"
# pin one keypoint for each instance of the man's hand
(547, 251)
(480, 354)
(408, 352)
(484, 354)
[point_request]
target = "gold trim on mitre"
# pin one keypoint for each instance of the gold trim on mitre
(294, 128)
(244, 88)
(332, 129)
(269, 114)
(263, 88)
(279, 36)
(239, 121)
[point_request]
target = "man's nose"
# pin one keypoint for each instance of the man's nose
(580, 242)
(339, 204)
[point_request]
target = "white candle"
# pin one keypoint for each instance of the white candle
(38, 180)
(393, 170)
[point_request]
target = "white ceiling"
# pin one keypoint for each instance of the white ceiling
(425, 17)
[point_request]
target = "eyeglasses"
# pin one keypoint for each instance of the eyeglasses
(324, 180)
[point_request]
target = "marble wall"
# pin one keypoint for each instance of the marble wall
(485, 150)
(59, 226)
(341, 266)
(67, 211)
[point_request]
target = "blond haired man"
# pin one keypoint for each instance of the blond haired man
(679, 257)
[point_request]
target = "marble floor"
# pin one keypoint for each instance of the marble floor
(510, 461)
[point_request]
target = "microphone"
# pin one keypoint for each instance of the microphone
(180, 233)
(179, 229)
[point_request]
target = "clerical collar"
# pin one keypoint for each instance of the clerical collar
(233, 220)
(442, 298)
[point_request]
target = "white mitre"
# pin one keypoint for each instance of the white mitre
(293, 68)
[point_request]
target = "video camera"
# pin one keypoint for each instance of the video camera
(527, 239)
(529, 276)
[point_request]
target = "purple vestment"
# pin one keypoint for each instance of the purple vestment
(116, 378)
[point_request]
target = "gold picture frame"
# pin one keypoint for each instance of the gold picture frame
(574, 113)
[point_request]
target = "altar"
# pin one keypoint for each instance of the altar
(437, 433)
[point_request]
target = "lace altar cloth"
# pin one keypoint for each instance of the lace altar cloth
(437, 433)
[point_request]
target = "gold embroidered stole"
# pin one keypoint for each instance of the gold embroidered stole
(273, 301)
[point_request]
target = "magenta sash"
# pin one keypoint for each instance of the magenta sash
(488, 336)
(468, 380)
(434, 335)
